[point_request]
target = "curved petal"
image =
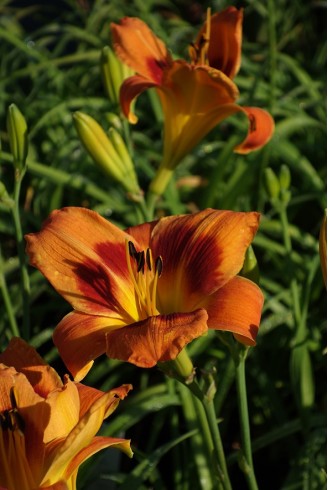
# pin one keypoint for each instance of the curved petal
(130, 89)
(26, 360)
(64, 406)
(61, 453)
(83, 257)
(224, 50)
(194, 100)
(201, 252)
(88, 397)
(260, 130)
(156, 339)
(80, 339)
(96, 445)
(137, 46)
(236, 308)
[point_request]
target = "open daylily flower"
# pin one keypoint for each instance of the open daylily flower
(47, 428)
(195, 96)
(142, 294)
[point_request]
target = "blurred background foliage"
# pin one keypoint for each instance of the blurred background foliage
(49, 58)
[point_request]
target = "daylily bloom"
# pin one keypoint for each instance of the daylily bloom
(47, 428)
(195, 96)
(143, 294)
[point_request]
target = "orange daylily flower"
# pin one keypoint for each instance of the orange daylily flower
(47, 428)
(195, 96)
(142, 294)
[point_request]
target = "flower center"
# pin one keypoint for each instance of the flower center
(198, 51)
(15, 473)
(144, 273)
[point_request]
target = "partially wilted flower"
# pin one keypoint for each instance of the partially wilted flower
(48, 428)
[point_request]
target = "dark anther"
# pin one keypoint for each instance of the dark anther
(132, 250)
(140, 261)
(12, 419)
(159, 266)
(148, 261)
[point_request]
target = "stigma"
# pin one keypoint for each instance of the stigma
(144, 272)
(198, 51)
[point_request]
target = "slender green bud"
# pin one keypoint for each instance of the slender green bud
(271, 183)
(250, 268)
(114, 72)
(284, 177)
(109, 153)
(17, 132)
(114, 121)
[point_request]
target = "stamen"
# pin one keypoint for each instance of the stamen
(159, 266)
(205, 42)
(148, 258)
(132, 249)
(141, 261)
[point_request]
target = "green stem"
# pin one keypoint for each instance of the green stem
(25, 281)
(151, 201)
(246, 466)
(7, 300)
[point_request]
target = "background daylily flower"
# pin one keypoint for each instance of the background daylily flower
(47, 428)
(142, 294)
(195, 96)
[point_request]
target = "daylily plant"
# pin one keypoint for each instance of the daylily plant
(47, 427)
(143, 294)
(195, 96)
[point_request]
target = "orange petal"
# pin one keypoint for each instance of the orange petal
(236, 308)
(201, 252)
(61, 453)
(96, 445)
(88, 397)
(130, 89)
(194, 100)
(26, 360)
(83, 257)
(224, 51)
(137, 46)
(260, 131)
(80, 339)
(156, 339)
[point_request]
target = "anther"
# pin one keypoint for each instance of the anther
(159, 266)
(140, 261)
(148, 259)
(132, 250)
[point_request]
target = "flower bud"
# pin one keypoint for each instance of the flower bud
(284, 177)
(114, 72)
(250, 268)
(271, 183)
(17, 132)
(109, 153)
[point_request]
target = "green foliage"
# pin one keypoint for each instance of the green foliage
(50, 68)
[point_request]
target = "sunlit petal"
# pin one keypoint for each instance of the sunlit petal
(260, 130)
(80, 339)
(139, 48)
(130, 89)
(83, 257)
(224, 51)
(156, 339)
(201, 252)
(236, 308)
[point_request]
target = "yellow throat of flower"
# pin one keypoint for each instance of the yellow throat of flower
(144, 273)
(198, 51)
(15, 473)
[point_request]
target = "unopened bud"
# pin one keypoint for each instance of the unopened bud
(271, 183)
(17, 132)
(109, 153)
(114, 72)
(284, 177)
(250, 268)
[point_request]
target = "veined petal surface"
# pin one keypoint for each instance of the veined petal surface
(83, 256)
(138, 47)
(156, 339)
